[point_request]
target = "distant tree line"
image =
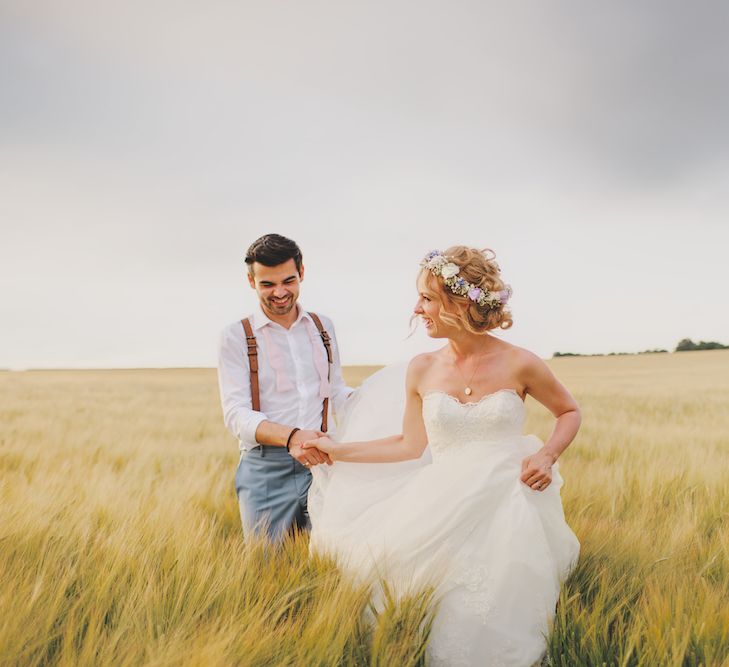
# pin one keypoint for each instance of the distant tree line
(687, 344)
(684, 345)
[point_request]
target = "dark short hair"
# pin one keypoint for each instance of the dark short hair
(272, 250)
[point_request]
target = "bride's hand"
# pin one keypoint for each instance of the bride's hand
(324, 444)
(536, 470)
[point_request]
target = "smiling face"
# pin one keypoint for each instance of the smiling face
(447, 313)
(277, 287)
(428, 307)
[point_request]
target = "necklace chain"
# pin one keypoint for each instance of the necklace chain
(468, 391)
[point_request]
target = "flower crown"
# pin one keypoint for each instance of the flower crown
(439, 265)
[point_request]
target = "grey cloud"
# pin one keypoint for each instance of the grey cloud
(636, 92)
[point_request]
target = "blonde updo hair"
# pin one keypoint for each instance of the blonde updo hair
(480, 268)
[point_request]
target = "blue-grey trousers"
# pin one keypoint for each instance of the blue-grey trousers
(272, 487)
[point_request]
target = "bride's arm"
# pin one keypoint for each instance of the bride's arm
(541, 384)
(410, 444)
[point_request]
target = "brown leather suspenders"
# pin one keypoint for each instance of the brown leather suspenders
(253, 364)
(328, 345)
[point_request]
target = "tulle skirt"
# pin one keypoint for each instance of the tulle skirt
(494, 550)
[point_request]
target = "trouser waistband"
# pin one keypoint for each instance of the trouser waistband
(268, 450)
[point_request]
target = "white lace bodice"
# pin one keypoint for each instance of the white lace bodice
(453, 426)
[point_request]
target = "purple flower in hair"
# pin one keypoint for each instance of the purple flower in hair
(504, 295)
(475, 293)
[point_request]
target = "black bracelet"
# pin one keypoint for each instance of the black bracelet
(291, 435)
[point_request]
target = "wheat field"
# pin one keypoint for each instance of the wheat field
(120, 539)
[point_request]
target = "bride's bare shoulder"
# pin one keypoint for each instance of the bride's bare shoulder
(422, 361)
(520, 357)
(525, 363)
(419, 366)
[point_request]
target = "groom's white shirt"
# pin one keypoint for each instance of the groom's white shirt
(298, 401)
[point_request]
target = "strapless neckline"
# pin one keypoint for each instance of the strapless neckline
(439, 392)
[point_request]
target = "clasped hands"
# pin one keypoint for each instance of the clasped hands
(304, 449)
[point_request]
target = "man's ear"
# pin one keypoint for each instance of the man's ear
(251, 279)
(301, 273)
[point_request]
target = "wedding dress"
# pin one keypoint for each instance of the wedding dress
(458, 519)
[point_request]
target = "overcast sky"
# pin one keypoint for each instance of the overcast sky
(145, 145)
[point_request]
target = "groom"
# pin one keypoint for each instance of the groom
(277, 371)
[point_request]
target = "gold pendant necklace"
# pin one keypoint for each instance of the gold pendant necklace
(468, 391)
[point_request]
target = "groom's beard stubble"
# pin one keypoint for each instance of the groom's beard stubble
(281, 308)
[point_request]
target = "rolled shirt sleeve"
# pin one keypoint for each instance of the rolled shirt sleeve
(235, 387)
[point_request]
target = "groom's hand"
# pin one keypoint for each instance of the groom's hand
(307, 457)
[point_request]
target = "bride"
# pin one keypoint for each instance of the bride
(475, 510)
